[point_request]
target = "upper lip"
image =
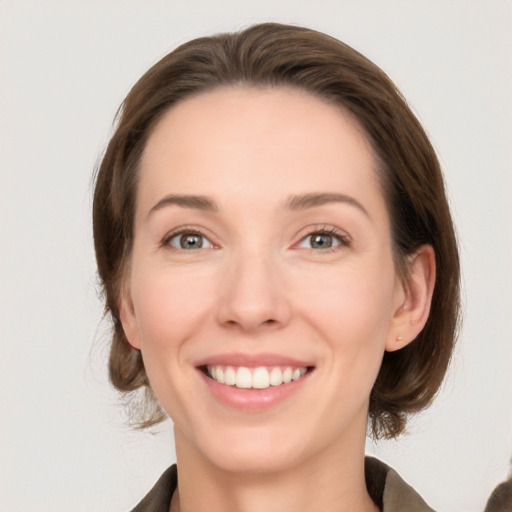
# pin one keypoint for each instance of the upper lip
(253, 360)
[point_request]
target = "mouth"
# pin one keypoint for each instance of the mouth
(261, 377)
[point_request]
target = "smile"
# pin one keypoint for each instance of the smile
(254, 378)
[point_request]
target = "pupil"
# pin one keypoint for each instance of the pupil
(321, 241)
(191, 242)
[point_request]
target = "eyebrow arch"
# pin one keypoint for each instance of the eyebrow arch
(305, 201)
(185, 201)
(300, 202)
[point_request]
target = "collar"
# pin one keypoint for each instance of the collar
(389, 491)
(385, 486)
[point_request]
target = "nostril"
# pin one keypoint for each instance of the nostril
(268, 322)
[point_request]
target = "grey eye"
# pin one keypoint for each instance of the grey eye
(320, 241)
(189, 241)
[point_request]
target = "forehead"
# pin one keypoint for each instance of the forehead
(261, 141)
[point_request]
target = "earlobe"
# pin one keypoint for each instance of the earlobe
(128, 318)
(416, 292)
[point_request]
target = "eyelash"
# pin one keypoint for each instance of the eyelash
(166, 242)
(340, 237)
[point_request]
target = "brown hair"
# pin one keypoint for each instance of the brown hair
(273, 55)
(501, 498)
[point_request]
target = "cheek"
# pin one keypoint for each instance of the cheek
(168, 306)
(352, 308)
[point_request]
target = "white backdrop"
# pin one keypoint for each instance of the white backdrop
(64, 68)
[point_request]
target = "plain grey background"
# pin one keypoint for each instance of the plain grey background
(64, 68)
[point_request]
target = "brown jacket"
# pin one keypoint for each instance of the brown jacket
(384, 485)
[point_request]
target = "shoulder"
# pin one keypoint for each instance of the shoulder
(158, 499)
(389, 491)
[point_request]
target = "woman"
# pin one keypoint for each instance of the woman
(279, 262)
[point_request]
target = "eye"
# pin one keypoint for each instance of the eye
(188, 241)
(323, 240)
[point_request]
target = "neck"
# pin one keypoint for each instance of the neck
(328, 482)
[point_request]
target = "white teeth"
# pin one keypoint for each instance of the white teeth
(219, 375)
(243, 378)
(260, 378)
(230, 376)
(257, 378)
(276, 377)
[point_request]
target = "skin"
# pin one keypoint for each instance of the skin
(258, 286)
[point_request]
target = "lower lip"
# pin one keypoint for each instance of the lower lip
(254, 400)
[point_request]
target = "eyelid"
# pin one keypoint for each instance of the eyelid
(186, 230)
(342, 236)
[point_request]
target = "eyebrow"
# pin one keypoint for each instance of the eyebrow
(294, 203)
(202, 203)
(306, 201)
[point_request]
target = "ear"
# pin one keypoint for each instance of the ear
(413, 297)
(128, 318)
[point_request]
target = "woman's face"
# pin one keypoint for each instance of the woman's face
(262, 253)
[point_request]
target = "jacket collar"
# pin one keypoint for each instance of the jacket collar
(389, 491)
(385, 486)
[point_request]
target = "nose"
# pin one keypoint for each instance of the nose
(253, 295)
